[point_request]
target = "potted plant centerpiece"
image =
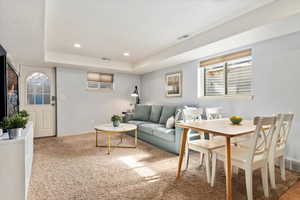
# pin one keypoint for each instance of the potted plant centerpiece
(116, 119)
(15, 124)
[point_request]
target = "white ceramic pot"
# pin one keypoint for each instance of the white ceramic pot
(13, 133)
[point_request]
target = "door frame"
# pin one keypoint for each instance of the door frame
(23, 92)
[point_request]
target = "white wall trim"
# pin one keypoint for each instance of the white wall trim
(73, 134)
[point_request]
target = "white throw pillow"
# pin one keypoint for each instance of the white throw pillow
(170, 122)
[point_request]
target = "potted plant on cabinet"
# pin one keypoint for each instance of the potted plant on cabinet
(14, 125)
(24, 114)
(116, 119)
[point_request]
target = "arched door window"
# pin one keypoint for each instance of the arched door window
(38, 89)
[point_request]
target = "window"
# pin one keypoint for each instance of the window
(229, 75)
(97, 80)
(38, 89)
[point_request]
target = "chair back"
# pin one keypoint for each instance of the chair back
(213, 113)
(283, 124)
(261, 139)
(192, 114)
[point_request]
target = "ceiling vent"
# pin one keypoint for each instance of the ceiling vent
(106, 59)
(183, 37)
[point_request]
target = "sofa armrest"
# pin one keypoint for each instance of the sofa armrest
(128, 117)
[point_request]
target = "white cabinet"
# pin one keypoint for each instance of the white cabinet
(15, 165)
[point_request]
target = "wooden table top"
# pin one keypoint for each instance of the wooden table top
(222, 127)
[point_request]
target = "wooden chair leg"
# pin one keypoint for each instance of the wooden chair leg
(264, 175)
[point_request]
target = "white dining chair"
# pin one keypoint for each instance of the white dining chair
(192, 114)
(278, 144)
(201, 145)
(253, 157)
(213, 113)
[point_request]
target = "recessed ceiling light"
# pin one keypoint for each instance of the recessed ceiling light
(77, 45)
(183, 37)
(126, 54)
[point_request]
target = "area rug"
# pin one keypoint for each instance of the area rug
(72, 168)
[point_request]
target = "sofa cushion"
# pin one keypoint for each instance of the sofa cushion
(165, 133)
(166, 113)
(142, 112)
(149, 128)
(137, 122)
(170, 122)
(155, 113)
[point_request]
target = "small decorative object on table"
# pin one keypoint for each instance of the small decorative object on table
(15, 124)
(236, 120)
(116, 119)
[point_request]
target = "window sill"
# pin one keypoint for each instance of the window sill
(238, 97)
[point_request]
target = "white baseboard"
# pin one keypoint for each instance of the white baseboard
(72, 134)
(292, 164)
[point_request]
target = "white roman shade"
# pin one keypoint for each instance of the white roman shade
(98, 80)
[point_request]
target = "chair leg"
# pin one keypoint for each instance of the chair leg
(264, 175)
(235, 170)
(272, 173)
(282, 168)
(248, 173)
(201, 158)
(213, 172)
(187, 157)
(207, 166)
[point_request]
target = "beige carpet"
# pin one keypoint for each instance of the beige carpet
(73, 168)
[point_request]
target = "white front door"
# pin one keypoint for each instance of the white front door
(38, 98)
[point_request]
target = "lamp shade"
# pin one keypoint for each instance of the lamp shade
(135, 92)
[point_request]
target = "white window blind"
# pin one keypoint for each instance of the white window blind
(214, 80)
(97, 80)
(239, 77)
(228, 75)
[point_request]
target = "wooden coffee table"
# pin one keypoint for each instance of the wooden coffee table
(109, 130)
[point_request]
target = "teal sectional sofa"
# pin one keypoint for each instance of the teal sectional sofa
(151, 122)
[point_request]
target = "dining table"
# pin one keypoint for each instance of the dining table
(219, 127)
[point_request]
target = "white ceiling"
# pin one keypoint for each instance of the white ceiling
(22, 30)
(142, 27)
(42, 32)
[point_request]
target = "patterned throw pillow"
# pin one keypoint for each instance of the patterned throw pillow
(192, 114)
